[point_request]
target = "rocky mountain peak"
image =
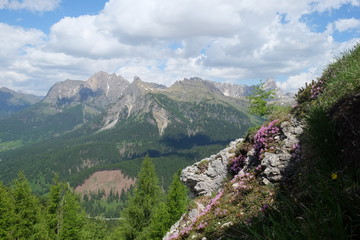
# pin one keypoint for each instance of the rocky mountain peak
(110, 84)
(233, 90)
(270, 84)
(67, 90)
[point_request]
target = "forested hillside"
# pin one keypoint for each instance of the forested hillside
(148, 214)
(107, 123)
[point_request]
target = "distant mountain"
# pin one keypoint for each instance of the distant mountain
(242, 91)
(108, 123)
(11, 101)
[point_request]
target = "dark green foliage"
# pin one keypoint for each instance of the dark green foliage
(168, 211)
(159, 224)
(72, 217)
(136, 216)
(177, 199)
(30, 223)
(7, 214)
(95, 230)
(98, 205)
(58, 216)
(258, 100)
(54, 207)
(215, 123)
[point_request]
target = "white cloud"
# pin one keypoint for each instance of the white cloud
(343, 25)
(293, 83)
(15, 41)
(164, 41)
(31, 5)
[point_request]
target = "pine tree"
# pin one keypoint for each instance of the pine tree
(30, 222)
(159, 224)
(177, 199)
(7, 214)
(94, 230)
(137, 215)
(72, 219)
(53, 209)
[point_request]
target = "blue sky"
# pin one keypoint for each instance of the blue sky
(235, 41)
(43, 20)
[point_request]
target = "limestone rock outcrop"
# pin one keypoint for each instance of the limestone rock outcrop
(207, 176)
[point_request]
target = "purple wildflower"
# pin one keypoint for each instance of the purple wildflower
(264, 137)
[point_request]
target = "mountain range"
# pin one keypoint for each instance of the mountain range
(11, 101)
(106, 122)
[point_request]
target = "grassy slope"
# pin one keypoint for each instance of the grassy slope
(322, 199)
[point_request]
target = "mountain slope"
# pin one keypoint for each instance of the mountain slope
(296, 177)
(11, 101)
(109, 123)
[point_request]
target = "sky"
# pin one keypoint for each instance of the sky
(235, 41)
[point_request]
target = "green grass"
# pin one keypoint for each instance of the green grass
(4, 146)
(323, 202)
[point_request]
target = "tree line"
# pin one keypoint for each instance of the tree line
(148, 214)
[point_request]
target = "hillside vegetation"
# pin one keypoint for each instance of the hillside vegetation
(317, 196)
(66, 137)
(321, 197)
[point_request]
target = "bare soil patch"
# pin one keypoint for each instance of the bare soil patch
(113, 180)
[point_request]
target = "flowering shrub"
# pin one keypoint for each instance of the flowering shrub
(264, 138)
(220, 212)
(240, 182)
(237, 163)
(317, 88)
(259, 169)
(202, 225)
(185, 231)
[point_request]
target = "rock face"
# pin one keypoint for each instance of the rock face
(102, 87)
(234, 90)
(207, 176)
(279, 165)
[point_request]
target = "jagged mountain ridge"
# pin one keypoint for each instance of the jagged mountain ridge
(107, 122)
(116, 95)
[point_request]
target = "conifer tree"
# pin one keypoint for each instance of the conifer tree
(137, 215)
(177, 199)
(7, 214)
(54, 207)
(30, 222)
(73, 217)
(159, 224)
(95, 229)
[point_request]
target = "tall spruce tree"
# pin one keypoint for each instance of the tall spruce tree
(30, 223)
(95, 229)
(7, 214)
(72, 217)
(54, 207)
(137, 215)
(159, 224)
(177, 199)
